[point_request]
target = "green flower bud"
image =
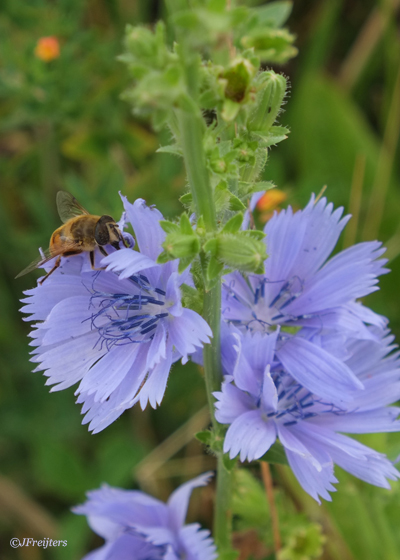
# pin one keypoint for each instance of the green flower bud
(271, 45)
(180, 245)
(238, 78)
(239, 251)
(270, 95)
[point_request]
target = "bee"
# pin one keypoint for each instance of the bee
(80, 232)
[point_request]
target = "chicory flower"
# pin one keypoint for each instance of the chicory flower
(118, 330)
(137, 526)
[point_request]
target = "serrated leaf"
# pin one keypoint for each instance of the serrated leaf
(275, 455)
(186, 199)
(205, 437)
(184, 263)
(169, 227)
(255, 233)
(273, 136)
(173, 149)
(235, 204)
(214, 268)
(163, 258)
(250, 188)
(185, 225)
(211, 246)
(274, 13)
(233, 225)
(229, 464)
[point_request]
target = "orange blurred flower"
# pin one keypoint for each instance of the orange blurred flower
(47, 48)
(271, 200)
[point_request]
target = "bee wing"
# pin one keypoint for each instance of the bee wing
(68, 207)
(47, 256)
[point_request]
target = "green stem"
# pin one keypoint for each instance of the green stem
(191, 128)
(223, 510)
(191, 137)
(191, 131)
(212, 352)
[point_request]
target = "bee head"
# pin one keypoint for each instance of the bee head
(107, 232)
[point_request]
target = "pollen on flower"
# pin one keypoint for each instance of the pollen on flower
(47, 48)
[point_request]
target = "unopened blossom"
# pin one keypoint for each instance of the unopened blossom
(137, 526)
(47, 48)
(116, 331)
(261, 402)
(306, 294)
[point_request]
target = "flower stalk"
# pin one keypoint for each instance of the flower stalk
(190, 128)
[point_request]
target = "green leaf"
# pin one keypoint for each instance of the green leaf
(250, 188)
(235, 204)
(186, 199)
(164, 257)
(276, 455)
(173, 149)
(229, 464)
(186, 226)
(169, 227)
(205, 437)
(184, 263)
(230, 110)
(214, 268)
(233, 225)
(274, 13)
(192, 298)
(273, 136)
(211, 246)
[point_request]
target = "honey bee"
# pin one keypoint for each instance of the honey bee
(80, 232)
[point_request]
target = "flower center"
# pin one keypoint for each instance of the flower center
(125, 318)
(266, 308)
(295, 403)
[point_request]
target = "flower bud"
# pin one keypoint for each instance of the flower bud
(271, 92)
(240, 251)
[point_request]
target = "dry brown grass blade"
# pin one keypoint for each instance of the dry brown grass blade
(365, 44)
(146, 469)
(27, 513)
(385, 166)
(269, 489)
(355, 200)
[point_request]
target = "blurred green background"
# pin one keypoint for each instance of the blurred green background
(63, 125)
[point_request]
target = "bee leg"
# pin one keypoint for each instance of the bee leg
(57, 264)
(91, 254)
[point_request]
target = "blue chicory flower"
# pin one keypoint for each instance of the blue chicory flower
(116, 331)
(261, 401)
(304, 293)
(137, 526)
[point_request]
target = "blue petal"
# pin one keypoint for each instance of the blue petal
(231, 403)
(127, 262)
(320, 372)
(350, 274)
(249, 435)
(145, 221)
(108, 373)
(316, 483)
(173, 296)
(188, 332)
(179, 500)
(196, 543)
(154, 388)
